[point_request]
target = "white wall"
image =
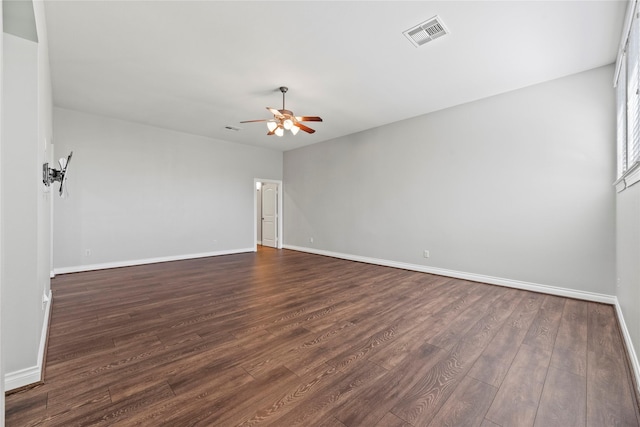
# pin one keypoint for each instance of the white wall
(25, 259)
(2, 388)
(516, 186)
(19, 204)
(26, 203)
(140, 193)
(259, 215)
(628, 265)
(45, 152)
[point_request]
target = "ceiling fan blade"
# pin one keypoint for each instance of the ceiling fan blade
(253, 121)
(307, 129)
(275, 112)
(272, 132)
(309, 119)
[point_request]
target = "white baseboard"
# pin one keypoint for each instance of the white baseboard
(517, 284)
(21, 378)
(131, 263)
(631, 352)
(32, 374)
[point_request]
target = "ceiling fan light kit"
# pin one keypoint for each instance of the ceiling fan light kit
(285, 120)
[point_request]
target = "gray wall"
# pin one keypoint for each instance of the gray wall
(140, 193)
(628, 261)
(516, 186)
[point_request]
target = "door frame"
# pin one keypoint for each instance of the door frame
(255, 209)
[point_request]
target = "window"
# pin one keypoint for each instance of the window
(628, 99)
(621, 101)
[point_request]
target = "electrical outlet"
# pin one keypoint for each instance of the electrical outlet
(310, 239)
(425, 253)
(87, 252)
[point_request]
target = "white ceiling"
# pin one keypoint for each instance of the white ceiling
(198, 66)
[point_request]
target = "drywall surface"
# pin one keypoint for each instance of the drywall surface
(26, 203)
(1, 208)
(44, 155)
(516, 186)
(628, 261)
(138, 192)
(259, 215)
(21, 306)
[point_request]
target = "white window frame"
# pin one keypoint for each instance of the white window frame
(627, 83)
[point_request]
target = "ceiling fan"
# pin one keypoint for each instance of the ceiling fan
(285, 120)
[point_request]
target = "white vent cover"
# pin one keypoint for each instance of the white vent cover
(429, 30)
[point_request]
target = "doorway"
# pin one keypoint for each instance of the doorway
(268, 213)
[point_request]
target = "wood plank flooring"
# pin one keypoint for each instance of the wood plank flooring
(282, 338)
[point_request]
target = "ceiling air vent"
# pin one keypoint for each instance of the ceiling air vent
(429, 30)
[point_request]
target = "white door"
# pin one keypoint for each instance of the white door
(270, 215)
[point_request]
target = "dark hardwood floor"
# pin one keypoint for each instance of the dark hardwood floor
(283, 338)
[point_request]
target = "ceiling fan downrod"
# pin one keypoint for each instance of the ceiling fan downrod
(284, 90)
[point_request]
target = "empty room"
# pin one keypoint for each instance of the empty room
(320, 213)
